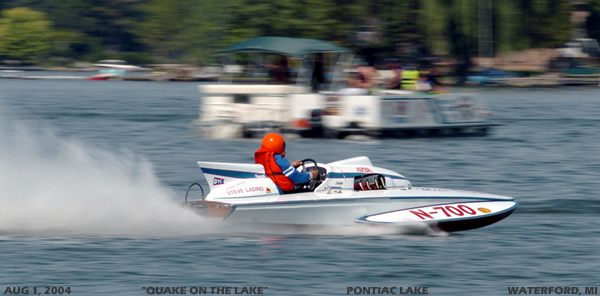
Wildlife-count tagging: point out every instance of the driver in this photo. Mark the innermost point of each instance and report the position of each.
(271, 155)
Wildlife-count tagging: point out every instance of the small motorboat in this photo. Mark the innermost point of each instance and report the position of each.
(347, 192)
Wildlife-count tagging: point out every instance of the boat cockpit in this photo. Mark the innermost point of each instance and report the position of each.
(369, 181)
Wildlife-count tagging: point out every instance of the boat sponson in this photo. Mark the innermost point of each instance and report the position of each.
(468, 224)
(210, 208)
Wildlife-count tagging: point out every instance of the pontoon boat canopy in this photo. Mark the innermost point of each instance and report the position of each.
(285, 46)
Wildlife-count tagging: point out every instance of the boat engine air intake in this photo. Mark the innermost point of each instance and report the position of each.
(369, 182)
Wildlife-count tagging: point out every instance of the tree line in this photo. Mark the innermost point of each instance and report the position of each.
(191, 31)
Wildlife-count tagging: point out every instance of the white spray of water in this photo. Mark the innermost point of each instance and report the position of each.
(59, 186)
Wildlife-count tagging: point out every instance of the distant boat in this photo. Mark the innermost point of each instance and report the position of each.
(110, 69)
(11, 74)
(103, 75)
(118, 64)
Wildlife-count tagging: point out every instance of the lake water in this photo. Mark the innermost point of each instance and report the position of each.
(91, 173)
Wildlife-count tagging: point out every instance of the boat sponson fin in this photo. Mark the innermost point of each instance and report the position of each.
(358, 161)
(228, 166)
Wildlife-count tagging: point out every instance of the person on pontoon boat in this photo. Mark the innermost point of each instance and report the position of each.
(271, 155)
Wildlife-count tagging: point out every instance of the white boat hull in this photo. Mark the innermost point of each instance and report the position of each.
(352, 192)
(448, 213)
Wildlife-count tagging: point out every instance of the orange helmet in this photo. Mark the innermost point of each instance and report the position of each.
(274, 142)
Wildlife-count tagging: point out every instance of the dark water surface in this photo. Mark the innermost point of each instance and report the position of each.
(91, 173)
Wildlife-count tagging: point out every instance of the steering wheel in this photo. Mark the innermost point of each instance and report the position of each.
(312, 184)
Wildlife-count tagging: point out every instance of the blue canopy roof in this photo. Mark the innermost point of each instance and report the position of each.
(285, 46)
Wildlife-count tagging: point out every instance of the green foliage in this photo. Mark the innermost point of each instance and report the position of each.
(434, 21)
(208, 28)
(25, 34)
(545, 23)
(192, 31)
(317, 19)
(184, 30)
(508, 32)
(593, 22)
(110, 21)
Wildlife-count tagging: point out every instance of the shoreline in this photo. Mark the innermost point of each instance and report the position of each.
(543, 80)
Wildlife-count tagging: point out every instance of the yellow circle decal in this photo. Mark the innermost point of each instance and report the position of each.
(484, 210)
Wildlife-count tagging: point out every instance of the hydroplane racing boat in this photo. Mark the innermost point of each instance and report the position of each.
(347, 192)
